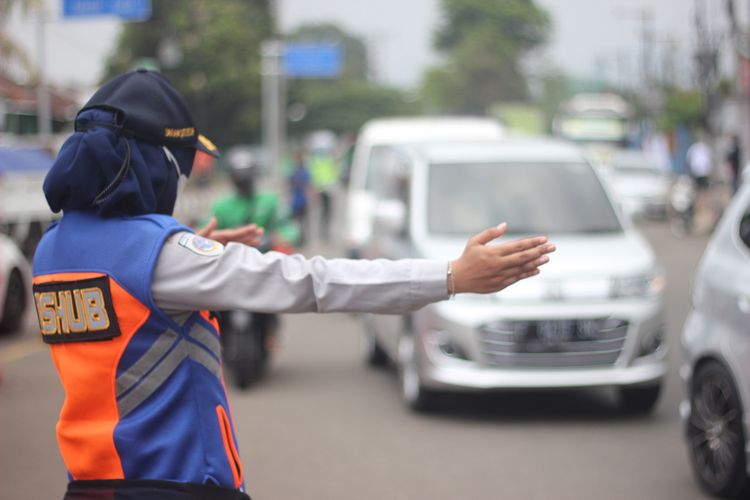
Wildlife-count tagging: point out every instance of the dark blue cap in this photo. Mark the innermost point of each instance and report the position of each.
(149, 108)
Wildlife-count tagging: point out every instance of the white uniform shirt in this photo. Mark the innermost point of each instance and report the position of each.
(195, 273)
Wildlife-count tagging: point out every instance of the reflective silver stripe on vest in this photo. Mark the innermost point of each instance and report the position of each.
(147, 374)
(132, 375)
(208, 343)
(200, 355)
(151, 382)
(208, 339)
(180, 317)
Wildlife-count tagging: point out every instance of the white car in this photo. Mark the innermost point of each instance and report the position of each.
(639, 184)
(593, 317)
(14, 285)
(371, 153)
(715, 364)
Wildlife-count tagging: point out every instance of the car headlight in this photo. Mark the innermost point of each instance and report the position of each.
(645, 285)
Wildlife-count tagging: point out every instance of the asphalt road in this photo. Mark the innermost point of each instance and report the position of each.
(323, 426)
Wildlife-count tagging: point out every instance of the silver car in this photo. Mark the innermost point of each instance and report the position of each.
(15, 283)
(640, 185)
(593, 317)
(716, 358)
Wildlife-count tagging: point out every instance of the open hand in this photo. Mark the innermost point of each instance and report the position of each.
(249, 235)
(484, 268)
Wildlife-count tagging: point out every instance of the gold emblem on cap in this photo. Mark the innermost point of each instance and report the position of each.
(179, 133)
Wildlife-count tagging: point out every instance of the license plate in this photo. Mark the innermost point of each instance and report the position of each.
(551, 335)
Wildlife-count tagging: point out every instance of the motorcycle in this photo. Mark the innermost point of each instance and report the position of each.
(247, 342)
(681, 208)
(249, 339)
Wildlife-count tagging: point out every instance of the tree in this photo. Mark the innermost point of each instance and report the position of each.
(484, 43)
(211, 53)
(346, 105)
(681, 107)
(10, 51)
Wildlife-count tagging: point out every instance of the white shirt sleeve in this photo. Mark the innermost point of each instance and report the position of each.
(195, 273)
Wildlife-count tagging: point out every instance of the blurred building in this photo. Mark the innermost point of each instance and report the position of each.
(18, 110)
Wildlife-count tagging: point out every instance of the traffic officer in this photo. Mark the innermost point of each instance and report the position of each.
(124, 292)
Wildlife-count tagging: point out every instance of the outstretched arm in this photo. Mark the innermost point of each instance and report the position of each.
(240, 277)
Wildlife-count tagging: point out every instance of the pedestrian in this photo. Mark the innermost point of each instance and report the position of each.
(700, 167)
(124, 292)
(733, 158)
(299, 195)
(700, 163)
(325, 177)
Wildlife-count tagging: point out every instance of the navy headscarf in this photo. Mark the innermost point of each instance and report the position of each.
(101, 170)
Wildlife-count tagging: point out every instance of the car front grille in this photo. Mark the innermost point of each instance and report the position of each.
(552, 343)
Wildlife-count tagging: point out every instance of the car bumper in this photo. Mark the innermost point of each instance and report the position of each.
(469, 376)
(641, 359)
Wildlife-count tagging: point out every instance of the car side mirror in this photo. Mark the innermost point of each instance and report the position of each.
(390, 215)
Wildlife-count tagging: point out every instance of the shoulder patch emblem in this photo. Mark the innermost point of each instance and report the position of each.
(76, 311)
(201, 246)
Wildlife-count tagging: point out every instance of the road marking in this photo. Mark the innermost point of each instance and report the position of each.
(20, 350)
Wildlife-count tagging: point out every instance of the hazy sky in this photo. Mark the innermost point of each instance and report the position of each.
(589, 36)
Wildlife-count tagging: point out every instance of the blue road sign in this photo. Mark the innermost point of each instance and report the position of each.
(131, 10)
(312, 60)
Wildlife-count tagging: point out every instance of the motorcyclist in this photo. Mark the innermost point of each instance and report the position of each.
(250, 338)
(248, 205)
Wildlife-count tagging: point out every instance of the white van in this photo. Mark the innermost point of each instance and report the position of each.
(371, 152)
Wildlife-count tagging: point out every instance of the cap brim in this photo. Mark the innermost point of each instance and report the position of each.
(208, 147)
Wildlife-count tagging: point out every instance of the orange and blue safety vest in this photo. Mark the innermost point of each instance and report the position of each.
(144, 393)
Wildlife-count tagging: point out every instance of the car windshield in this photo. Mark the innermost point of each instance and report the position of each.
(534, 198)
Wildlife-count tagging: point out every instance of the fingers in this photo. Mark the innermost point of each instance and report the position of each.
(521, 258)
(522, 270)
(512, 247)
(206, 230)
(503, 281)
(515, 279)
(247, 235)
(249, 229)
(528, 266)
(489, 234)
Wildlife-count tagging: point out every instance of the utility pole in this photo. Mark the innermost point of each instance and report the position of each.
(647, 35)
(669, 56)
(706, 58)
(644, 18)
(273, 97)
(43, 112)
(271, 94)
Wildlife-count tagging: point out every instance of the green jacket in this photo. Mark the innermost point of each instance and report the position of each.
(261, 209)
